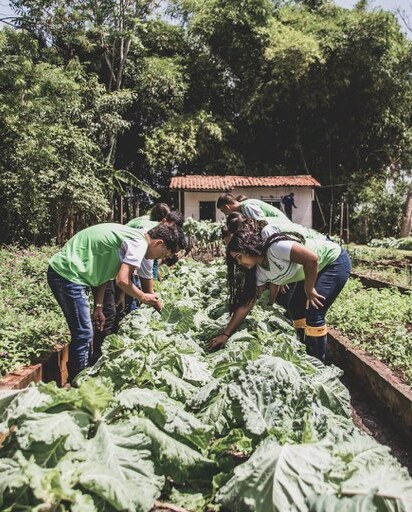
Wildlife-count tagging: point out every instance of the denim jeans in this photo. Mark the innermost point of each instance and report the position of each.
(329, 283)
(73, 300)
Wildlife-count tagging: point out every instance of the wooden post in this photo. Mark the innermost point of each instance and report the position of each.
(347, 221)
(342, 212)
(121, 209)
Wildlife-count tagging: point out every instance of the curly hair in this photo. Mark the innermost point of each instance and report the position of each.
(242, 282)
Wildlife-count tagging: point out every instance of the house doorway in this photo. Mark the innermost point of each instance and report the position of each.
(207, 210)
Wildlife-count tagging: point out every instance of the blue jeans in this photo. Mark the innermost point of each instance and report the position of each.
(329, 283)
(73, 300)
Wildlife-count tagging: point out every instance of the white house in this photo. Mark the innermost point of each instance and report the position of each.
(198, 194)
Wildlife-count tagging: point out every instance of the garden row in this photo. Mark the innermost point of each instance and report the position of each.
(258, 426)
(31, 323)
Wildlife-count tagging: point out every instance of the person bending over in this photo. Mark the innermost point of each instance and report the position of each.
(319, 268)
(93, 257)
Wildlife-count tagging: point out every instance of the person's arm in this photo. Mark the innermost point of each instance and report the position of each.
(274, 290)
(309, 261)
(125, 283)
(98, 316)
(236, 319)
(147, 285)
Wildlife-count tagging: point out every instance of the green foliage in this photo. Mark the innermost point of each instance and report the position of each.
(54, 122)
(404, 244)
(31, 322)
(379, 208)
(112, 443)
(377, 321)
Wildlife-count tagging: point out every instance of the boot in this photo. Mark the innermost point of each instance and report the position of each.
(316, 346)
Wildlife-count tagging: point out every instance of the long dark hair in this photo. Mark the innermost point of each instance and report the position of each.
(242, 282)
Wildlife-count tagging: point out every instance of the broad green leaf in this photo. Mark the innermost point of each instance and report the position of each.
(119, 470)
(50, 436)
(167, 414)
(12, 478)
(174, 458)
(278, 478)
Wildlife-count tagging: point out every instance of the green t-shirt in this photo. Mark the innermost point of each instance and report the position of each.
(287, 226)
(281, 270)
(142, 223)
(93, 256)
(257, 209)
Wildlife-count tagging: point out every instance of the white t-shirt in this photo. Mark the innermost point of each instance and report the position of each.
(132, 252)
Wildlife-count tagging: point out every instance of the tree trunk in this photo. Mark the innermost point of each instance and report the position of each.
(407, 215)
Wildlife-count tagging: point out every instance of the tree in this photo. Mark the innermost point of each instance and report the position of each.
(53, 121)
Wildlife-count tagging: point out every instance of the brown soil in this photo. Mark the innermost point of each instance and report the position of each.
(371, 420)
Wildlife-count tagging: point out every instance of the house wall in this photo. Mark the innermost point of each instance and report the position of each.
(303, 200)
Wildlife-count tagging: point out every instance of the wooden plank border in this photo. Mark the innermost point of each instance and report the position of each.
(392, 396)
(52, 368)
(369, 282)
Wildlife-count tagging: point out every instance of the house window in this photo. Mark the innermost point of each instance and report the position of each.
(207, 210)
(272, 200)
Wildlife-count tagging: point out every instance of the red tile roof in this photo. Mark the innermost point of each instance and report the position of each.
(222, 183)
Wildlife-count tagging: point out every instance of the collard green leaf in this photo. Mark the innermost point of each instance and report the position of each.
(167, 414)
(278, 478)
(119, 470)
(173, 458)
(12, 479)
(48, 437)
(194, 369)
(330, 390)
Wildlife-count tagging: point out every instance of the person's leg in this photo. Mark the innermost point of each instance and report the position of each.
(283, 299)
(109, 311)
(329, 283)
(73, 300)
(297, 307)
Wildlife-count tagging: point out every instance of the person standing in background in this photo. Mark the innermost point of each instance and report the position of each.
(289, 203)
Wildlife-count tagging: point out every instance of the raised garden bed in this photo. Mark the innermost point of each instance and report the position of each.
(53, 367)
(375, 379)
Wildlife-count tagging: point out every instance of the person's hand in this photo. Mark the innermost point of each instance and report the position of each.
(151, 299)
(314, 299)
(283, 288)
(217, 342)
(99, 319)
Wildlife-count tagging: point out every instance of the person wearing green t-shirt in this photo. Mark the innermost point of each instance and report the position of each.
(319, 267)
(93, 257)
(251, 208)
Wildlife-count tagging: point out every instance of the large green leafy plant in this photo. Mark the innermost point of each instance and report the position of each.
(258, 426)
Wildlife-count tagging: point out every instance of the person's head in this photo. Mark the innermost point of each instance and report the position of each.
(246, 248)
(236, 221)
(174, 217)
(245, 251)
(292, 194)
(227, 203)
(164, 241)
(159, 211)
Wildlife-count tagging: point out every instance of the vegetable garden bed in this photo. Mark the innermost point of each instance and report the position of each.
(159, 418)
(375, 379)
(378, 321)
(387, 265)
(31, 322)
